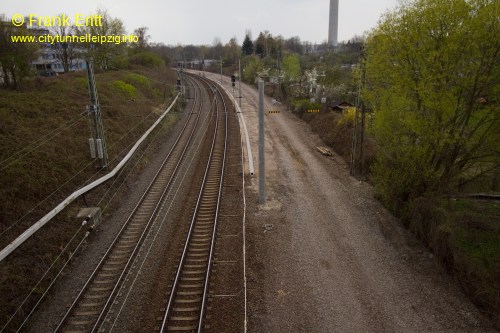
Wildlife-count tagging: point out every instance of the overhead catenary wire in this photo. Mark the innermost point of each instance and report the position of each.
(40, 223)
(139, 159)
(53, 281)
(128, 174)
(37, 144)
(46, 198)
(76, 175)
(166, 214)
(42, 278)
(71, 241)
(132, 168)
(62, 128)
(149, 79)
(121, 171)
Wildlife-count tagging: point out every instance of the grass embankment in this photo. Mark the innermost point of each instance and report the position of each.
(44, 156)
(464, 234)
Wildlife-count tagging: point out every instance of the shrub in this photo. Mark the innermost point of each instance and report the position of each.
(147, 59)
(125, 88)
(301, 106)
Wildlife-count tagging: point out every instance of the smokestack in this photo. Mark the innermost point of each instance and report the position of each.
(334, 23)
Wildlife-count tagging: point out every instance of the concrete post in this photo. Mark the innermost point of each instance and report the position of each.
(239, 77)
(262, 166)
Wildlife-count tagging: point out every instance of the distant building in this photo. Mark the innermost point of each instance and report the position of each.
(48, 63)
(340, 106)
(196, 63)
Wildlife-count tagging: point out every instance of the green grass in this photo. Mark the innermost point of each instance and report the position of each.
(476, 233)
(472, 229)
(126, 89)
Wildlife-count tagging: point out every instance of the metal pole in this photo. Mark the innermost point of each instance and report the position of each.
(355, 129)
(262, 166)
(279, 73)
(102, 160)
(239, 76)
(362, 140)
(220, 70)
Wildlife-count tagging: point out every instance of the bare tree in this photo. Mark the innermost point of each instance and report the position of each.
(142, 34)
(103, 53)
(15, 58)
(232, 50)
(66, 51)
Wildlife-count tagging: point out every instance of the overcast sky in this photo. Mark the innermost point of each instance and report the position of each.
(200, 22)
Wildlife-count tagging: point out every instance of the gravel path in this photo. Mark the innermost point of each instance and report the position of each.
(334, 260)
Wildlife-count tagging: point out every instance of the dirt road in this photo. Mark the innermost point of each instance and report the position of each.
(325, 256)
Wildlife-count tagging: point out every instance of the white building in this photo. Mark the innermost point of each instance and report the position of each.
(48, 63)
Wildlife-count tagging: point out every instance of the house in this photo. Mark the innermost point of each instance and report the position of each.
(48, 63)
(340, 106)
(196, 63)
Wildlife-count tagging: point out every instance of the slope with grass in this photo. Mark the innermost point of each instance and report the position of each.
(44, 157)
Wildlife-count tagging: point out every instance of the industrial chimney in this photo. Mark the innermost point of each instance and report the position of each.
(333, 30)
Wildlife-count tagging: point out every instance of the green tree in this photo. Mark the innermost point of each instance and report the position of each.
(103, 53)
(432, 78)
(15, 58)
(232, 51)
(262, 44)
(247, 47)
(251, 69)
(291, 67)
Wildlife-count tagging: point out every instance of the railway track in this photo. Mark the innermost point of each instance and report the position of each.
(187, 299)
(91, 304)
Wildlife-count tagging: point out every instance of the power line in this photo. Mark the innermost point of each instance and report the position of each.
(152, 80)
(75, 175)
(52, 134)
(41, 280)
(129, 173)
(46, 198)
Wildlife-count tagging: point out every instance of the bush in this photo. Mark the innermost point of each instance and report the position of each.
(120, 62)
(147, 59)
(125, 88)
(301, 106)
(347, 117)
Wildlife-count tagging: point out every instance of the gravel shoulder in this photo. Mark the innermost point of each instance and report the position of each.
(332, 259)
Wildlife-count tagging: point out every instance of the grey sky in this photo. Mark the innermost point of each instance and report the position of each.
(199, 22)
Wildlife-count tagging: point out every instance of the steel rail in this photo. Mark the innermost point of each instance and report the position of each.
(212, 245)
(125, 225)
(195, 216)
